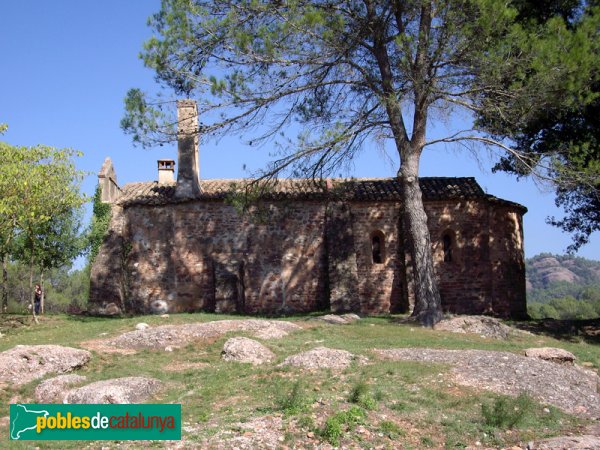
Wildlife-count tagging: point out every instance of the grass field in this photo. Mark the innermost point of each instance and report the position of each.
(386, 404)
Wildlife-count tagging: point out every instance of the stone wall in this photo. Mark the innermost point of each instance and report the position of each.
(342, 268)
(382, 285)
(464, 279)
(507, 262)
(204, 256)
(107, 283)
(300, 256)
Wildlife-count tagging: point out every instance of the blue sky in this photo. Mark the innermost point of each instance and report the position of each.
(66, 66)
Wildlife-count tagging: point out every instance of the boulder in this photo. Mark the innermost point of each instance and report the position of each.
(159, 337)
(351, 317)
(271, 332)
(567, 443)
(25, 363)
(323, 358)
(484, 326)
(117, 390)
(142, 326)
(335, 319)
(552, 354)
(332, 319)
(244, 350)
(54, 390)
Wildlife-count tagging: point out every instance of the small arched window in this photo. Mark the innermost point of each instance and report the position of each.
(378, 247)
(447, 247)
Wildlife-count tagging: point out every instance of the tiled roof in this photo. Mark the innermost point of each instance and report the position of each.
(152, 193)
(433, 188)
(361, 189)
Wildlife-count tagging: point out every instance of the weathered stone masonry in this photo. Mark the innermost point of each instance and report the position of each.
(332, 245)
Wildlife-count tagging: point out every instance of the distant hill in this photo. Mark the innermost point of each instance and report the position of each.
(545, 269)
(563, 287)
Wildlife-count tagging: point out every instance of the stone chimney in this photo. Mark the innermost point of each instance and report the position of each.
(188, 182)
(166, 171)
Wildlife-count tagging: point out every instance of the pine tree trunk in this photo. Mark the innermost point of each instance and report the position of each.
(428, 305)
(4, 283)
(428, 309)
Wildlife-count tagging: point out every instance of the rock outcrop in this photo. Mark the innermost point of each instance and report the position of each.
(342, 319)
(25, 363)
(323, 358)
(485, 326)
(54, 390)
(550, 270)
(244, 350)
(585, 442)
(569, 388)
(118, 390)
(555, 355)
(178, 335)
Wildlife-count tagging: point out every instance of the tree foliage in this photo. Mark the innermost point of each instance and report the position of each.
(55, 242)
(552, 117)
(66, 289)
(346, 74)
(40, 205)
(36, 184)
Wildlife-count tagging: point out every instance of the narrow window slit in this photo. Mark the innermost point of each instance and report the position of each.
(378, 247)
(447, 247)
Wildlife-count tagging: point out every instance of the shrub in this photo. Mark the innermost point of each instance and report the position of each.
(332, 432)
(361, 395)
(506, 412)
(295, 401)
(390, 429)
(306, 422)
(343, 421)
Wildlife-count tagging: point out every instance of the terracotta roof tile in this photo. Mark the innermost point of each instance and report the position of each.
(361, 189)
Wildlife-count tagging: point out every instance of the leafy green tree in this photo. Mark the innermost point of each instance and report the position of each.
(552, 116)
(590, 294)
(348, 73)
(52, 244)
(66, 289)
(39, 188)
(567, 307)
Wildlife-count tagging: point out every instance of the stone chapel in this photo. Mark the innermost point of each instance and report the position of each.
(332, 245)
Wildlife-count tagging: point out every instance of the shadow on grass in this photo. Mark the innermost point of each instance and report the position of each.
(564, 330)
(11, 321)
(84, 318)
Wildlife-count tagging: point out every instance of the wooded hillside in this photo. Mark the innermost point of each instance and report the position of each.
(563, 287)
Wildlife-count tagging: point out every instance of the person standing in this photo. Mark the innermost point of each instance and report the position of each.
(37, 299)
